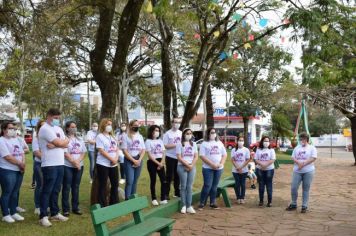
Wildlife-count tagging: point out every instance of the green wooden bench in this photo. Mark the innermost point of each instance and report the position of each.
(222, 189)
(142, 225)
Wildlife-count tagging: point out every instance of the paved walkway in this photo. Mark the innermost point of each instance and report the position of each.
(332, 206)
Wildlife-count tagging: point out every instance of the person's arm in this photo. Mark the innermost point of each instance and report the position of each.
(38, 154)
(166, 140)
(224, 156)
(90, 138)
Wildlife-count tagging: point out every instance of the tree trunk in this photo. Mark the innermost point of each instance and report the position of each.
(353, 135)
(245, 120)
(209, 109)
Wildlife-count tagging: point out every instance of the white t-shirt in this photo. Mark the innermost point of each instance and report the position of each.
(109, 145)
(187, 152)
(91, 135)
(301, 153)
(23, 143)
(133, 146)
(35, 147)
(54, 156)
(264, 155)
(172, 137)
(155, 147)
(119, 138)
(213, 151)
(13, 147)
(239, 156)
(76, 148)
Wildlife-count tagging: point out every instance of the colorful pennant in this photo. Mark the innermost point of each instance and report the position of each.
(263, 22)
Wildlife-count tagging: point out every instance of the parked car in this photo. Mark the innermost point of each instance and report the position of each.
(231, 141)
(28, 138)
(273, 144)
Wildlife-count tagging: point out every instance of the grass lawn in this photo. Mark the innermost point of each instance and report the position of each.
(80, 225)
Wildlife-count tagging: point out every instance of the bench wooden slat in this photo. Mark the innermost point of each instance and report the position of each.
(108, 213)
(147, 227)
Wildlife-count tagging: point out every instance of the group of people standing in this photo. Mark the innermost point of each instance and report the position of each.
(172, 156)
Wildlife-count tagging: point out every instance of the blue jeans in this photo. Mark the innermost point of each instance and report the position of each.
(71, 182)
(10, 182)
(39, 181)
(307, 179)
(91, 161)
(186, 184)
(132, 174)
(211, 180)
(240, 185)
(265, 178)
(52, 183)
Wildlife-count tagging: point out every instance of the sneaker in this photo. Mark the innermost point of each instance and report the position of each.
(176, 196)
(8, 219)
(20, 210)
(304, 210)
(163, 202)
(269, 204)
(59, 217)
(291, 208)
(45, 222)
(183, 210)
(78, 212)
(191, 210)
(37, 211)
(66, 213)
(253, 186)
(242, 201)
(155, 203)
(260, 204)
(17, 217)
(201, 207)
(122, 181)
(214, 206)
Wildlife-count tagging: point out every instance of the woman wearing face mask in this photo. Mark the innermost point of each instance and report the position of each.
(240, 157)
(12, 167)
(106, 162)
(303, 156)
(264, 158)
(91, 135)
(133, 147)
(213, 155)
(119, 138)
(187, 155)
(73, 169)
(155, 163)
(37, 167)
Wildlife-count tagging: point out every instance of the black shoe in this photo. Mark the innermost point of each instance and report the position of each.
(168, 198)
(200, 207)
(260, 204)
(66, 214)
(269, 204)
(214, 206)
(291, 208)
(78, 212)
(304, 210)
(253, 186)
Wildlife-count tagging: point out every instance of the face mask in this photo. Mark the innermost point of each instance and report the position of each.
(240, 144)
(156, 134)
(72, 130)
(108, 128)
(123, 128)
(56, 122)
(212, 136)
(134, 129)
(11, 133)
(265, 144)
(176, 125)
(95, 128)
(188, 137)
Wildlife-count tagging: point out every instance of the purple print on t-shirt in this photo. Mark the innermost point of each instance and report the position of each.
(214, 150)
(264, 157)
(157, 149)
(16, 151)
(75, 149)
(58, 135)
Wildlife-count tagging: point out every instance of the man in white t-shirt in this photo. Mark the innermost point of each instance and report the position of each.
(170, 139)
(91, 136)
(52, 143)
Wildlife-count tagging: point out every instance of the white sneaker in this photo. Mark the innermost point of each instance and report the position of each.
(37, 211)
(155, 203)
(91, 181)
(122, 181)
(184, 210)
(191, 210)
(20, 210)
(17, 217)
(59, 217)
(163, 202)
(8, 219)
(45, 222)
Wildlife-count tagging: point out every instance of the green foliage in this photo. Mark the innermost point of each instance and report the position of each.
(281, 126)
(81, 116)
(323, 123)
